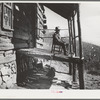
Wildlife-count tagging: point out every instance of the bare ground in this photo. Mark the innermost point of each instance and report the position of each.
(61, 80)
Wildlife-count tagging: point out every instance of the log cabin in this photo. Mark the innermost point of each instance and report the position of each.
(22, 27)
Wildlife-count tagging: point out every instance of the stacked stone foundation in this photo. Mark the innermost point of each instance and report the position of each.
(7, 75)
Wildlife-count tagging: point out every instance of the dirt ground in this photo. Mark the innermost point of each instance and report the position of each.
(58, 78)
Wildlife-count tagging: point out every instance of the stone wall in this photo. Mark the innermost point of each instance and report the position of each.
(8, 75)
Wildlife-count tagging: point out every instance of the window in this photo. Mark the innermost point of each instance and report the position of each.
(7, 22)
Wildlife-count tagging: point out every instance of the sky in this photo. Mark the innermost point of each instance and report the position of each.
(90, 21)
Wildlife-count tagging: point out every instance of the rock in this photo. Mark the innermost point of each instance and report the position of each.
(3, 86)
(9, 72)
(4, 70)
(1, 66)
(0, 80)
(14, 78)
(58, 82)
(9, 83)
(6, 78)
(13, 69)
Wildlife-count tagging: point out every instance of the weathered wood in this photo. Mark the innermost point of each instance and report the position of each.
(6, 46)
(81, 76)
(74, 72)
(39, 13)
(1, 52)
(21, 34)
(74, 36)
(79, 33)
(21, 27)
(80, 66)
(7, 59)
(70, 68)
(5, 40)
(10, 52)
(40, 8)
(20, 45)
(17, 40)
(40, 18)
(6, 33)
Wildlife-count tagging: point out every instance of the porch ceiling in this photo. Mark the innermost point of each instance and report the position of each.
(63, 9)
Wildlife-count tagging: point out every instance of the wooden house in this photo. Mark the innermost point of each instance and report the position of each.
(22, 26)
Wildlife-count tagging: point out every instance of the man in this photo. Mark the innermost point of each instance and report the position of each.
(57, 39)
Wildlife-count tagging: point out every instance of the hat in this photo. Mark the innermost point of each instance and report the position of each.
(57, 29)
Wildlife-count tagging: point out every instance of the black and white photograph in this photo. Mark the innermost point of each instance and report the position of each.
(50, 45)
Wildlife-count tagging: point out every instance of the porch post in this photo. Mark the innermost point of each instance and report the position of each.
(70, 65)
(80, 65)
(74, 49)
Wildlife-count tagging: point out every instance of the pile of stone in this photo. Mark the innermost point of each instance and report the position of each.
(8, 75)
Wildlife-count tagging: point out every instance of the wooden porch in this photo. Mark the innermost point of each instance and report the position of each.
(63, 66)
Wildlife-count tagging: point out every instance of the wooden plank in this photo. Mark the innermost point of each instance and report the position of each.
(40, 8)
(21, 27)
(10, 52)
(40, 14)
(81, 76)
(5, 40)
(21, 34)
(6, 33)
(40, 18)
(16, 40)
(6, 46)
(7, 59)
(1, 52)
(21, 45)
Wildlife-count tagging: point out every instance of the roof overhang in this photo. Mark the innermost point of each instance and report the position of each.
(66, 10)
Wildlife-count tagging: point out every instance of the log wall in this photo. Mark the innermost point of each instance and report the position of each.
(7, 54)
(24, 25)
(40, 25)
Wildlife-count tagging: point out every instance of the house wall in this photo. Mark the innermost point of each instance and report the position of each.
(24, 25)
(41, 26)
(7, 52)
(18, 30)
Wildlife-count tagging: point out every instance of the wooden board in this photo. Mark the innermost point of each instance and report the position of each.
(6, 46)
(39, 7)
(10, 52)
(21, 45)
(7, 59)
(5, 33)
(16, 40)
(5, 40)
(21, 34)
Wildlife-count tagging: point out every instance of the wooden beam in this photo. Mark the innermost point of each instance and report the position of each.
(74, 36)
(70, 65)
(20, 34)
(6, 46)
(5, 40)
(6, 33)
(79, 32)
(80, 66)
(21, 45)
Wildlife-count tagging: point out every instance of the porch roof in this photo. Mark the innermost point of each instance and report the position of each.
(66, 10)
